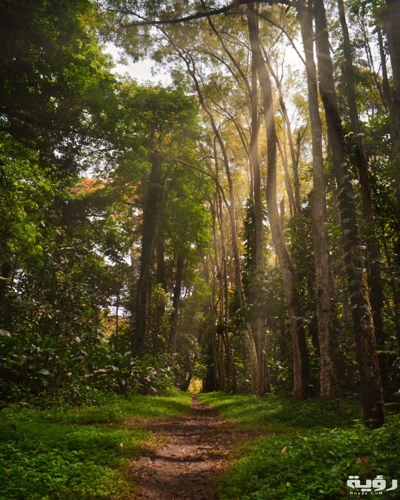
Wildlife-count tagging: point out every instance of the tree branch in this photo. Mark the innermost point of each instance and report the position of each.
(202, 14)
(208, 174)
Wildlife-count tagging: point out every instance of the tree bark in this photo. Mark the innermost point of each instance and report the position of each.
(151, 215)
(373, 250)
(224, 302)
(391, 20)
(371, 386)
(326, 331)
(257, 315)
(250, 344)
(300, 355)
(294, 158)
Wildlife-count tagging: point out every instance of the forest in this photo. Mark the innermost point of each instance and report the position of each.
(206, 268)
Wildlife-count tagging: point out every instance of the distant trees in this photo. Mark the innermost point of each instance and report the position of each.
(239, 226)
(230, 34)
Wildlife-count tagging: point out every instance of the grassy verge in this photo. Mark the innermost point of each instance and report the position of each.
(317, 446)
(77, 453)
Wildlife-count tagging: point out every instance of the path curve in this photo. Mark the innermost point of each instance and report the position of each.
(197, 449)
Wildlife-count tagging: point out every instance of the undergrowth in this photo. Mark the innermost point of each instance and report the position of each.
(309, 451)
(79, 453)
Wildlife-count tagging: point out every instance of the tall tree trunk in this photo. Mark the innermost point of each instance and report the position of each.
(326, 331)
(210, 381)
(288, 127)
(257, 315)
(176, 299)
(151, 215)
(300, 355)
(250, 344)
(374, 257)
(391, 19)
(224, 301)
(370, 378)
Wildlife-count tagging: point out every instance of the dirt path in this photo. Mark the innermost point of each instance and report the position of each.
(196, 450)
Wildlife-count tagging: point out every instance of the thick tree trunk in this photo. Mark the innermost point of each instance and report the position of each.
(300, 355)
(370, 378)
(391, 19)
(374, 257)
(326, 331)
(151, 215)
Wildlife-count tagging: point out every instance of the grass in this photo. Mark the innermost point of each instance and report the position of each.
(273, 414)
(311, 449)
(77, 453)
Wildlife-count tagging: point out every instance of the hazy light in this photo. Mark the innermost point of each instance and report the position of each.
(141, 71)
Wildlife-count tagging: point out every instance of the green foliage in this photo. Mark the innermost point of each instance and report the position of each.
(104, 408)
(57, 90)
(56, 454)
(313, 465)
(311, 450)
(72, 373)
(277, 414)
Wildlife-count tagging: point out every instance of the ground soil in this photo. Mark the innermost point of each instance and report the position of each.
(195, 449)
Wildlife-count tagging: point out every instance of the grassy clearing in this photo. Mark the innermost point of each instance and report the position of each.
(77, 453)
(318, 446)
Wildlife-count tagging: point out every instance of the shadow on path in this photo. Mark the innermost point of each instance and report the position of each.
(197, 449)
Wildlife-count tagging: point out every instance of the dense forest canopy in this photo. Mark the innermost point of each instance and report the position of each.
(240, 226)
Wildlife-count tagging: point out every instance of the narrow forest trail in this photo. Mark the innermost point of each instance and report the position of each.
(197, 448)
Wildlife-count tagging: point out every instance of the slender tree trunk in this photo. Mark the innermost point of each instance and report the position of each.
(288, 184)
(287, 126)
(222, 383)
(257, 315)
(160, 270)
(300, 355)
(370, 378)
(5, 274)
(117, 315)
(210, 382)
(151, 215)
(251, 348)
(224, 302)
(385, 95)
(326, 331)
(374, 257)
(176, 299)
